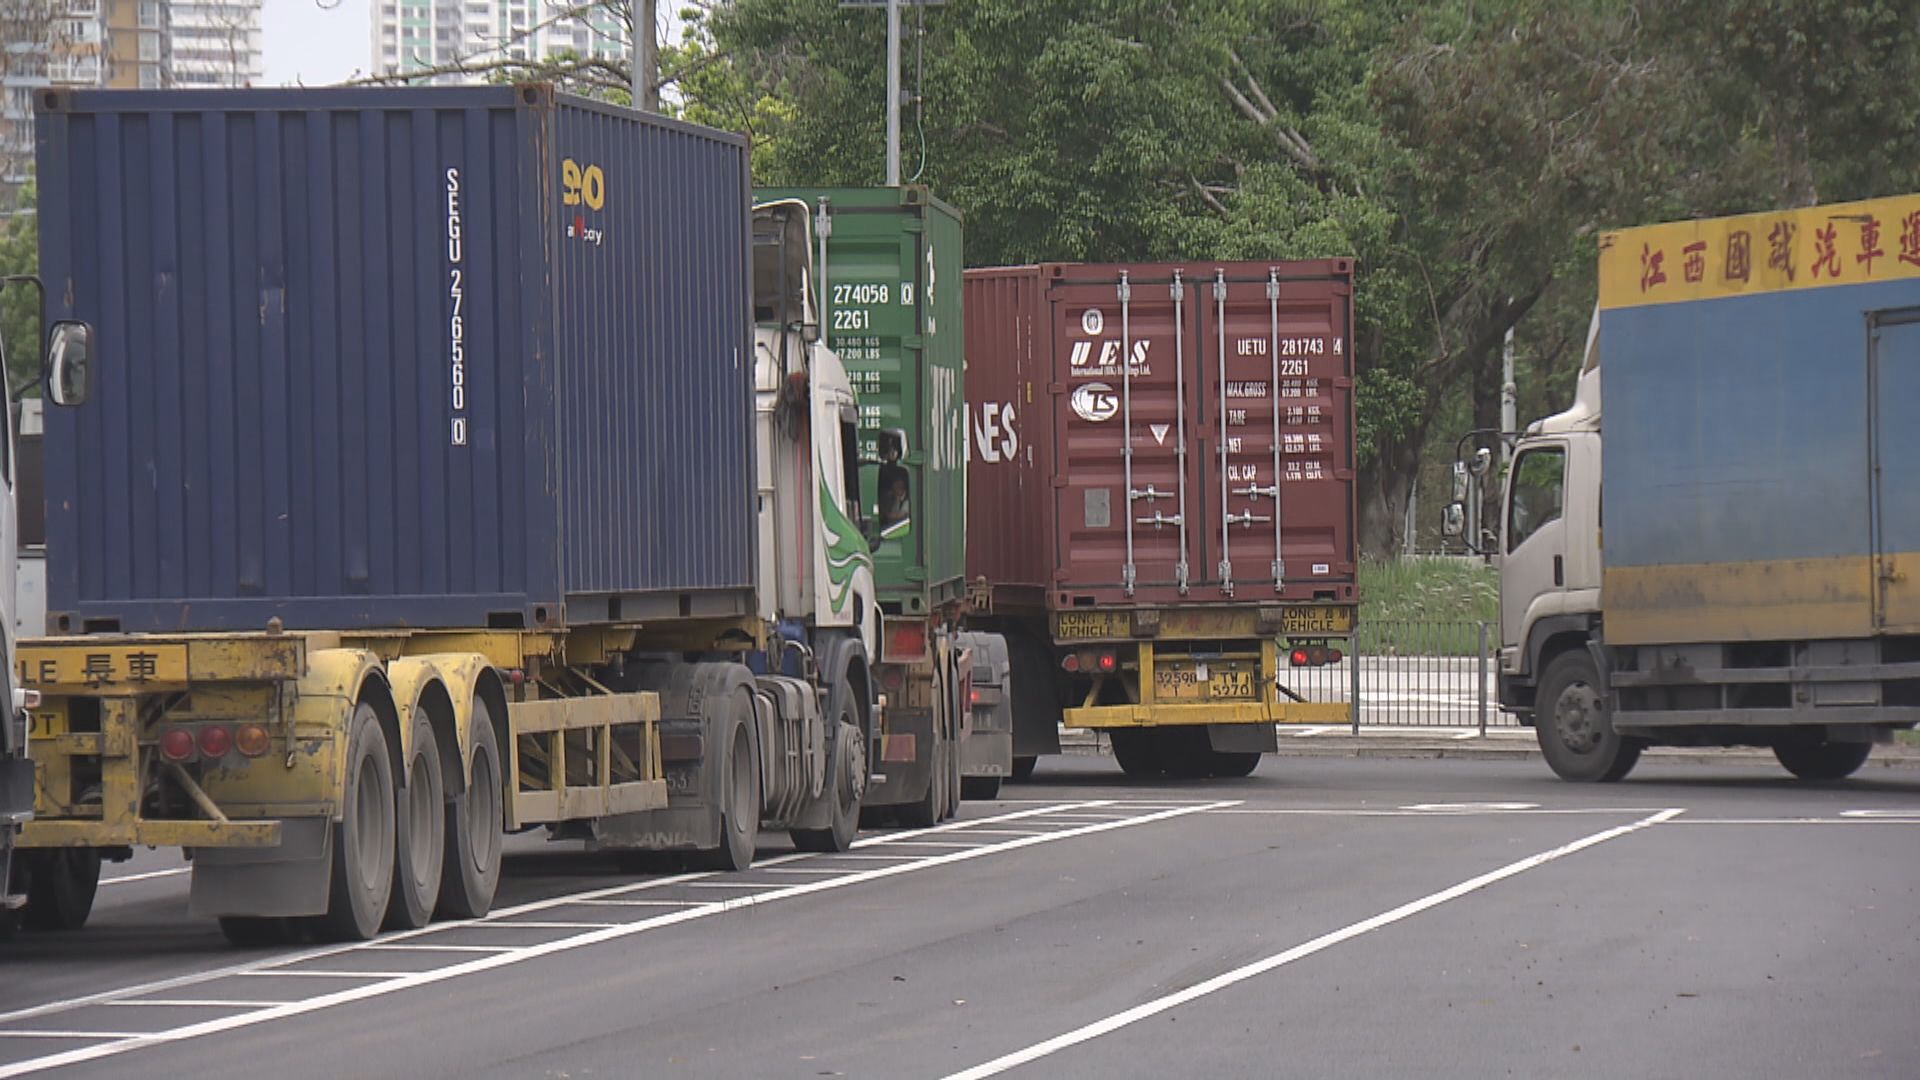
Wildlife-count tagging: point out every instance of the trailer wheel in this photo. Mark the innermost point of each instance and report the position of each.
(1576, 734)
(1818, 759)
(471, 870)
(363, 841)
(255, 932)
(1137, 751)
(61, 883)
(740, 792)
(1185, 753)
(846, 778)
(1023, 768)
(954, 780)
(421, 836)
(980, 788)
(930, 808)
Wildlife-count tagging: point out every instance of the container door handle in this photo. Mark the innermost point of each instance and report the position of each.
(1273, 387)
(1226, 518)
(1128, 572)
(1178, 290)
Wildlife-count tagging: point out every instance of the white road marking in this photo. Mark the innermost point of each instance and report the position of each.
(1330, 811)
(532, 925)
(1802, 821)
(419, 946)
(1304, 733)
(319, 973)
(191, 1003)
(1259, 967)
(1446, 807)
(614, 901)
(1896, 815)
(1465, 735)
(392, 982)
(148, 876)
(21, 1034)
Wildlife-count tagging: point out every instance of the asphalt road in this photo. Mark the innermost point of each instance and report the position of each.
(1326, 917)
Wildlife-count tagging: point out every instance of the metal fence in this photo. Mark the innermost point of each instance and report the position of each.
(1437, 674)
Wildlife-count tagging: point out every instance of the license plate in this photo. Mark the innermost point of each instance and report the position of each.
(79, 667)
(1189, 682)
(1309, 621)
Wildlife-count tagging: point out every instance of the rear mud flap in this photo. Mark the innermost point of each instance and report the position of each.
(289, 879)
(1243, 738)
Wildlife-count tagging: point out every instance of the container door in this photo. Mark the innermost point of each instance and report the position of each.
(1125, 474)
(1274, 451)
(1893, 344)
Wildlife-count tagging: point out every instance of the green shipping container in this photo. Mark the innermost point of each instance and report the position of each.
(893, 316)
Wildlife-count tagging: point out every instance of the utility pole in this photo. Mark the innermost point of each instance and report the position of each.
(646, 60)
(893, 74)
(893, 93)
(1509, 393)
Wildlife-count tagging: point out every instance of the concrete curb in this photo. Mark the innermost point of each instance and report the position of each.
(1502, 746)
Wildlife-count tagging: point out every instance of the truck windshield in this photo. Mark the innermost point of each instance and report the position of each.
(1539, 485)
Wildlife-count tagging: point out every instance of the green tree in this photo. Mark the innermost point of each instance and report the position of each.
(20, 304)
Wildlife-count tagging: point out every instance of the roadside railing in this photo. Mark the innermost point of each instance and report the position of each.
(1426, 673)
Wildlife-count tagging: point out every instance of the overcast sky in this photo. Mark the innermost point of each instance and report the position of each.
(315, 45)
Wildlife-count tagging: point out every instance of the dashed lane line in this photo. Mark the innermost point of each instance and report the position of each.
(391, 983)
(1326, 941)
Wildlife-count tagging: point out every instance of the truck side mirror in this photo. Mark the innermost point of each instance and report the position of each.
(810, 333)
(1482, 462)
(69, 349)
(1459, 483)
(1453, 523)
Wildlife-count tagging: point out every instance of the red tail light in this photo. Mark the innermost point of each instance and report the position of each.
(906, 640)
(215, 741)
(1334, 656)
(976, 697)
(1070, 662)
(1107, 662)
(251, 740)
(176, 744)
(1299, 658)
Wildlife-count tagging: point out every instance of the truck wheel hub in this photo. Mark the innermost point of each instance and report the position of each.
(1577, 717)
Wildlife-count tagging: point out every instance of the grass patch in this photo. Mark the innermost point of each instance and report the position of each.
(1428, 589)
(1427, 607)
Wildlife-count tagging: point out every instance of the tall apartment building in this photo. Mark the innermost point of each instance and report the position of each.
(216, 43)
(124, 44)
(426, 35)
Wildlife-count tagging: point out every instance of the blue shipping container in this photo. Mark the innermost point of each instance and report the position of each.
(448, 357)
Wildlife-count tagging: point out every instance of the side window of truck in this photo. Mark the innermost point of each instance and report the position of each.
(1539, 490)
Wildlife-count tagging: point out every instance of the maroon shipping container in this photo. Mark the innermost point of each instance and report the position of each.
(1152, 480)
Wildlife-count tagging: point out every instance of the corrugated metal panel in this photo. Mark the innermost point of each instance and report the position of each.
(360, 362)
(1165, 397)
(893, 270)
(1010, 470)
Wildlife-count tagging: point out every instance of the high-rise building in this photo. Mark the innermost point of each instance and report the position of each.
(125, 44)
(216, 43)
(442, 35)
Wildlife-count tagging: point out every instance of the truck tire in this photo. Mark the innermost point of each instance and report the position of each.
(1184, 752)
(928, 809)
(954, 779)
(1811, 759)
(1138, 752)
(845, 778)
(739, 794)
(363, 840)
(61, 883)
(1576, 734)
(1023, 769)
(420, 833)
(980, 788)
(470, 873)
